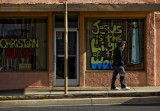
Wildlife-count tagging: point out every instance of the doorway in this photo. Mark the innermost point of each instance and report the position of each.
(73, 57)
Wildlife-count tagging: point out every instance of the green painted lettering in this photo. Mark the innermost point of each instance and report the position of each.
(94, 49)
(20, 44)
(24, 46)
(93, 61)
(8, 42)
(108, 38)
(102, 28)
(119, 30)
(3, 43)
(97, 27)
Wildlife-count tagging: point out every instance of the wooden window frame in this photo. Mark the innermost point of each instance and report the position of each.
(126, 15)
(49, 16)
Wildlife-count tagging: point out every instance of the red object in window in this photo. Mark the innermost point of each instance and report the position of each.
(26, 53)
(11, 52)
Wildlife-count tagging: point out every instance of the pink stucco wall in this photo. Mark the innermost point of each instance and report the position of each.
(19, 80)
(150, 49)
(103, 79)
(78, 1)
(157, 48)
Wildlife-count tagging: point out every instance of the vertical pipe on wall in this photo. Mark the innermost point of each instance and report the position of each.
(66, 51)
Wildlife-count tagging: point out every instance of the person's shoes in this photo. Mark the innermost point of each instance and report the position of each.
(116, 88)
(126, 88)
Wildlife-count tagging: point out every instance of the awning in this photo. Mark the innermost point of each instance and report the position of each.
(78, 7)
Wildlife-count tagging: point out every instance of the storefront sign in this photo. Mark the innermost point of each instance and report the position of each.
(24, 47)
(19, 43)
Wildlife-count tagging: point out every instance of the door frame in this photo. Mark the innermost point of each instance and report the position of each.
(71, 82)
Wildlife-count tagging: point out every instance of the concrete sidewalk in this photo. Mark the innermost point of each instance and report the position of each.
(78, 95)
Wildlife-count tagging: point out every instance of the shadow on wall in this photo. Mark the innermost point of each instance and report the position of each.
(18, 92)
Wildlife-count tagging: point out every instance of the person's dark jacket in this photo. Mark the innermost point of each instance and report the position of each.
(118, 57)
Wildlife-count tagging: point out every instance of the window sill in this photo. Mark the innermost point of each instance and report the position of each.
(24, 71)
(111, 71)
(99, 71)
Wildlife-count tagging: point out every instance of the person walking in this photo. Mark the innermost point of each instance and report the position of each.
(118, 66)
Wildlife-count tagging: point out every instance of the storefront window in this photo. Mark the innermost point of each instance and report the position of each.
(23, 44)
(102, 37)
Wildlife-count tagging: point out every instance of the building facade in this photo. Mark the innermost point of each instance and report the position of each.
(32, 42)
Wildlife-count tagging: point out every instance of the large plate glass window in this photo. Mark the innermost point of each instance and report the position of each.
(23, 44)
(102, 37)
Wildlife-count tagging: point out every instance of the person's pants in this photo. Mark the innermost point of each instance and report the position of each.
(121, 71)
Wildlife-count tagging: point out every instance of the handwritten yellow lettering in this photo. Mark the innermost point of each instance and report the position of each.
(109, 38)
(119, 30)
(119, 38)
(94, 49)
(102, 28)
(3, 43)
(100, 38)
(107, 53)
(97, 27)
(93, 61)
(114, 39)
(97, 37)
(102, 47)
(20, 43)
(105, 41)
(114, 29)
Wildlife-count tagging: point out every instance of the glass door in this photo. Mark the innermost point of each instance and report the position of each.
(72, 58)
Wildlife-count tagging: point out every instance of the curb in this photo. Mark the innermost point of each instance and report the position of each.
(80, 101)
(86, 95)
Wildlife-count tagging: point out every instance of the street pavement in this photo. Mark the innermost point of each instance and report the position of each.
(148, 107)
(79, 96)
